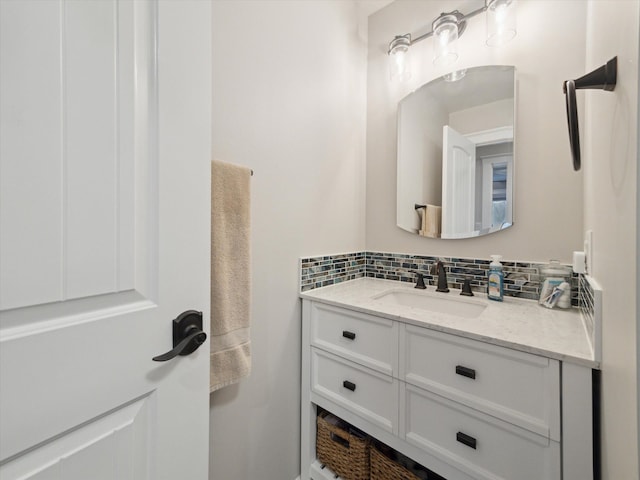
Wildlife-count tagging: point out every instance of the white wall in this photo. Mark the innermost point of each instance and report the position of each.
(490, 115)
(288, 101)
(549, 48)
(420, 182)
(610, 156)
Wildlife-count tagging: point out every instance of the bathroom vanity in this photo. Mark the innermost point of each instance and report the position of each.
(467, 387)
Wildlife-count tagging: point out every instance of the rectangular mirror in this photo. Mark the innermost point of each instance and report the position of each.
(455, 162)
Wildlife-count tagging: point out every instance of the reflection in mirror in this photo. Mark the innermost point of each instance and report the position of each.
(456, 154)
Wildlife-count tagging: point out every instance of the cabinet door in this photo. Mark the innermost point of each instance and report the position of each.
(518, 387)
(478, 444)
(365, 392)
(365, 339)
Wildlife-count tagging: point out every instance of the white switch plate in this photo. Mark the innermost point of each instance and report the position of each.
(588, 250)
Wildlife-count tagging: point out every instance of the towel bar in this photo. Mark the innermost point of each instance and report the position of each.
(603, 78)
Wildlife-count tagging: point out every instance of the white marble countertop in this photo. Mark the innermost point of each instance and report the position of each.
(514, 323)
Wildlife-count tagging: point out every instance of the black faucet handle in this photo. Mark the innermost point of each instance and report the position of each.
(419, 280)
(466, 288)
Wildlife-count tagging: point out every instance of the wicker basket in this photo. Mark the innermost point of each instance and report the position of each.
(383, 468)
(345, 453)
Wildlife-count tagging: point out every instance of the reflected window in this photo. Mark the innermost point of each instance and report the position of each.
(499, 194)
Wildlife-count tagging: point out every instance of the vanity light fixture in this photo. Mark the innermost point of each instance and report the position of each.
(446, 29)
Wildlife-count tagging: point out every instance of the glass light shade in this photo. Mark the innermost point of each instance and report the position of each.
(501, 22)
(445, 36)
(398, 58)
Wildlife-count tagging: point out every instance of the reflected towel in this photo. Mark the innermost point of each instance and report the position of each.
(230, 274)
(431, 221)
(422, 213)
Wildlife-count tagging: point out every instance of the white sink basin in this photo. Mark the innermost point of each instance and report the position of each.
(433, 302)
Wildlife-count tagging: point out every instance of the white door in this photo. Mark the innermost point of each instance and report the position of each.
(104, 228)
(458, 184)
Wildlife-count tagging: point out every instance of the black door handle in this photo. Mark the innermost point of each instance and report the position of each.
(187, 335)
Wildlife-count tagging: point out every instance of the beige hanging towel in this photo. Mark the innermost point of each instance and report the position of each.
(230, 274)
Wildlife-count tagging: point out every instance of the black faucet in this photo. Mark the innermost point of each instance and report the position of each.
(466, 288)
(442, 278)
(419, 281)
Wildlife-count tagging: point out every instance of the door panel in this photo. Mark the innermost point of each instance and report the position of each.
(30, 93)
(81, 209)
(114, 446)
(458, 184)
(104, 220)
(94, 77)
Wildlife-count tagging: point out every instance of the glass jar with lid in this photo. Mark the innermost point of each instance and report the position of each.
(552, 275)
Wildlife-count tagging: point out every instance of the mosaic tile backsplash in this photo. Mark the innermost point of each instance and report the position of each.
(316, 272)
(521, 279)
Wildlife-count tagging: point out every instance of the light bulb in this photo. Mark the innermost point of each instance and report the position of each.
(398, 58)
(445, 30)
(501, 22)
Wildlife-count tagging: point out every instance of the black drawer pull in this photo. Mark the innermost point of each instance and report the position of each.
(349, 385)
(468, 440)
(466, 372)
(349, 335)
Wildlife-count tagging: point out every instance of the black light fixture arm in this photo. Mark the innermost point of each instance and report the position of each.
(603, 78)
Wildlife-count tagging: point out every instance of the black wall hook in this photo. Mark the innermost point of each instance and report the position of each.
(603, 78)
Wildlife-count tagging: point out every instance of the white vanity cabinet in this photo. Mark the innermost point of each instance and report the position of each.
(517, 387)
(461, 407)
(490, 411)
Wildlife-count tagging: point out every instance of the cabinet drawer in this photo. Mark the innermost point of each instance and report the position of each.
(478, 444)
(520, 388)
(368, 340)
(365, 392)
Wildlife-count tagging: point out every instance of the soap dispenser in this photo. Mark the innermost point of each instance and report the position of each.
(495, 284)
